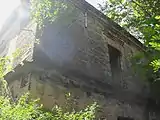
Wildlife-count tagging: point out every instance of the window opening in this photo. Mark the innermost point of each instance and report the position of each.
(114, 56)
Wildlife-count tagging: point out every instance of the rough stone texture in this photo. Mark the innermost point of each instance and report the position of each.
(83, 51)
(73, 56)
(51, 87)
(24, 44)
(11, 27)
(20, 47)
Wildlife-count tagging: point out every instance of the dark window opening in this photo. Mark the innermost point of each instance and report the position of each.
(124, 118)
(114, 56)
(152, 115)
(24, 80)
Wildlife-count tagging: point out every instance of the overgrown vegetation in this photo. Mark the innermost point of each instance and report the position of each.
(25, 108)
(46, 11)
(142, 19)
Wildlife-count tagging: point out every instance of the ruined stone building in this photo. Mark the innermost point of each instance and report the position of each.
(82, 52)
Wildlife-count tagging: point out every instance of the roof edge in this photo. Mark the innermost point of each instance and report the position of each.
(85, 6)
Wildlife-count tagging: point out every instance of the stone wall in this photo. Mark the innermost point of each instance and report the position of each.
(51, 88)
(74, 56)
(23, 44)
(77, 42)
(11, 28)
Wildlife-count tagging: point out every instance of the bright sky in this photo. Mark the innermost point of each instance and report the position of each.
(96, 2)
(6, 8)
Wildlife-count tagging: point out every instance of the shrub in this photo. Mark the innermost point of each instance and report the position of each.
(27, 109)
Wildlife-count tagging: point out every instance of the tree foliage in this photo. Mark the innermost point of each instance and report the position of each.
(25, 108)
(134, 15)
(46, 10)
(142, 19)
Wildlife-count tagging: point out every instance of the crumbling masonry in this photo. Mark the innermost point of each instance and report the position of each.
(85, 53)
